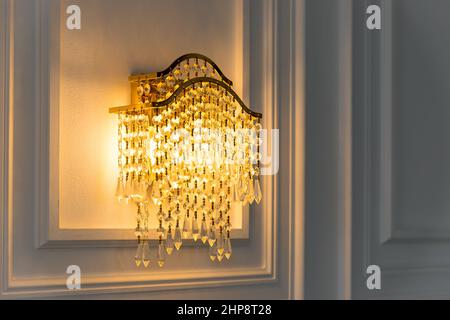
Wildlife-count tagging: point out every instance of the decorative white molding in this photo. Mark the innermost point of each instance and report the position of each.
(6, 114)
(389, 232)
(44, 286)
(48, 231)
(410, 258)
(297, 145)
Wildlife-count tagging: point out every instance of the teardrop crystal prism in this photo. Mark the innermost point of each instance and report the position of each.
(169, 243)
(250, 191)
(213, 253)
(257, 191)
(212, 236)
(146, 255)
(135, 188)
(139, 254)
(204, 232)
(227, 248)
(161, 254)
(220, 245)
(186, 228)
(195, 230)
(143, 190)
(177, 239)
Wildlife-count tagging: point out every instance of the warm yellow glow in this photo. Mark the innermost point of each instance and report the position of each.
(190, 149)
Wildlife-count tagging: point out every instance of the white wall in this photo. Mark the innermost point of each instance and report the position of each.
(43, 83)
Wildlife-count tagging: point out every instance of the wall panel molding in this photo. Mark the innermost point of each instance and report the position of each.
(282, 256)
(49, 234)
(411, 259)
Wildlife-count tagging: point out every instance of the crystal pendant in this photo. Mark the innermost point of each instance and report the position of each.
(213, 253)
(169, 243)
(195, 230)
(128, 187)
(186, 228)
(204, 232)
(149, 191)
(146, 255)
(227, 248)
(212, 236)
(142, 190)
(220, 245)
(250, 191)
(219, 257)
(257, 190)
(236, 197)
(156, 194)
(139, 254)
(161, 254)
(135, 188)
(177, 239)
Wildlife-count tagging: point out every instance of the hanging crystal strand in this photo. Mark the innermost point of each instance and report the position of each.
(139, 253)
(227, 246)
(213, 252)
(195, 230)
(250, 190)
(120, 189)
(204, 230)
(236, 197)
(212, 234)
(169, 241)
(220, 246)
(257, 185)
(146, 253)
(156, 190)
(257, 188)
(149, 191)
(161, 253)
(242, 191)
(186, 226)
(145, 235)
(128, 187)
(139, 235)
(177, 239)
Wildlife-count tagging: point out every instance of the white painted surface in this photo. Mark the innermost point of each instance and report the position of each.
(119, 38)
(265, 266)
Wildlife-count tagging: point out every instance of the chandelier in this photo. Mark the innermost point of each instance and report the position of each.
(188, 148)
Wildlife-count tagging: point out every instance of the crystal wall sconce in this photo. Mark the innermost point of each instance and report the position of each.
(188, 148)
